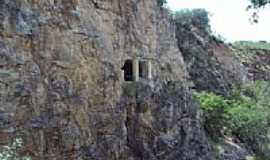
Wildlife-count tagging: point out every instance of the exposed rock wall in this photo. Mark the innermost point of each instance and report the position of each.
(211, 64)
(256, 61)
(213, 67)
(61, 87)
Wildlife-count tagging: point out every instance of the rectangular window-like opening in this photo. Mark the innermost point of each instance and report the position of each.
(128, 70)
(143, 69)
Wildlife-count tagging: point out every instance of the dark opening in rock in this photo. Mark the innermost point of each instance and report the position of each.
(128, 70)
(143, 70)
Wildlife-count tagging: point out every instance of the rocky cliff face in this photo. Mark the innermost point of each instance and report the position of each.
(215, 66)
(256, 61)
(62, 89)
(211, 63)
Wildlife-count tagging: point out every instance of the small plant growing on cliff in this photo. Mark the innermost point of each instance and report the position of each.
(10, 152)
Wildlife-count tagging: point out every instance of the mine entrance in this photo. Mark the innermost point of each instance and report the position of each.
(128, 70)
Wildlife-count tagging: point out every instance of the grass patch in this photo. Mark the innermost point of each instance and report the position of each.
(247, 45)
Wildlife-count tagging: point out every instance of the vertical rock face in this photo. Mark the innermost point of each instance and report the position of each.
(211, 63)
(256, 62)
(61, 85)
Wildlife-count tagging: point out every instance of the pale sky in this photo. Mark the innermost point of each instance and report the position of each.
(229, 18)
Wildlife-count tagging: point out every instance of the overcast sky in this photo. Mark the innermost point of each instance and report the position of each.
(230, 19)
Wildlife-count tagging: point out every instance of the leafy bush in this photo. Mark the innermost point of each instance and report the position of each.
(196, 17)
(214, 107)
(248, 123)
(260, 91)
(249, 114)
(244, 114)
(10, 152)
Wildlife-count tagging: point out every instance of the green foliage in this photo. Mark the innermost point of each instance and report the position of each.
(260, 92)
(248, 123)
(246, 45)
(161, 2)
(196, 17)
(10, 152)
(214, 111)
(244, 114)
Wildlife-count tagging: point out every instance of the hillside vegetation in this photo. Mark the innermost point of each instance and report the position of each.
(234, 110)
(244, 115)
(263, 45)
(255, 56)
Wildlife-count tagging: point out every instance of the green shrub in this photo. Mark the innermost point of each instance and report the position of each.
(260, 92)
(214, 107)
(248, 123)
(10, 152)
(244, 114)
(241, 116)
(196, 17)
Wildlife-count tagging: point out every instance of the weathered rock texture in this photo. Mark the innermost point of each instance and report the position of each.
(228, 150)
(213, 66)
(210, 62)
(256, 61)
(62, 91)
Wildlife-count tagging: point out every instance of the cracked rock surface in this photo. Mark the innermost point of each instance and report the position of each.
(61, 86)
